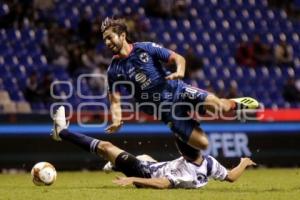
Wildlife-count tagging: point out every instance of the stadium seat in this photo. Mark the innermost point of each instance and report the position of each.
(213, 28)
(8, 108)
(23, 107)
(4, 9)
(4, 96)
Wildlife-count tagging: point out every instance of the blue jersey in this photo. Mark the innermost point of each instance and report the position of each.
(143, 68)
(143, 71)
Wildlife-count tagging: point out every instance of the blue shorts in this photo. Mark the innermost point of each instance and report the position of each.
(187, 99)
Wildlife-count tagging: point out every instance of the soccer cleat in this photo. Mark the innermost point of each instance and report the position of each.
(108, 167)
(246, 103)
(60, 123)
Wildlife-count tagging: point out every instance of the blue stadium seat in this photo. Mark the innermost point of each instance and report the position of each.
(213, 29)
(38, 106)
(17, 96)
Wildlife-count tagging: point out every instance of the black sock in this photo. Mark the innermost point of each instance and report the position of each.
(87, 143)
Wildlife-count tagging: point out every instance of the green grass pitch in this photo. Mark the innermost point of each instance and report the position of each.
(262, 184)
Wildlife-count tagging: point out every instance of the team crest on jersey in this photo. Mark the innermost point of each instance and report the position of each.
(144, 57)
(202, 178)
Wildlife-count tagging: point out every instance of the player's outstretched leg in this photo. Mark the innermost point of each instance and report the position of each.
(225, 105)
(93, 145)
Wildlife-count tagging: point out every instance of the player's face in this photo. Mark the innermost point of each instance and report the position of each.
(113, 41)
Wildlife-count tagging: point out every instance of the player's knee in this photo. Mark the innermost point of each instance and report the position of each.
(198, 139)
(103, 146)
(204, 143)
(200, 143)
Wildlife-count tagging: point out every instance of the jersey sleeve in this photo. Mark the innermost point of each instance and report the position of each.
(218, 171)
(111, 80)
(158, 51)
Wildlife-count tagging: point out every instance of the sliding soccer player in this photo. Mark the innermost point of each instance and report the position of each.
(191, 170)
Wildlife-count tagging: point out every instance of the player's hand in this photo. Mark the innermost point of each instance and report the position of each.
(123, 181)
(248, 162)
(114, 127)
(174, 76)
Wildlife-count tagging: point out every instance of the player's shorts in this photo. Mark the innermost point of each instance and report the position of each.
(131, 166)
(187, 99)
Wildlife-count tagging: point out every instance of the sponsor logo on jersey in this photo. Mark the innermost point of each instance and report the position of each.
(131, 70)
(140, 77)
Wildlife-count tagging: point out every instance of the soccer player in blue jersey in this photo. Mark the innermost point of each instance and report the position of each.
(191, 170)
(141, 65)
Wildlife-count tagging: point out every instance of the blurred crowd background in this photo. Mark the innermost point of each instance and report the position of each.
(232, 47)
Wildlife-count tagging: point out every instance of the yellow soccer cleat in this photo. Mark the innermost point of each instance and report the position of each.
(246, 103)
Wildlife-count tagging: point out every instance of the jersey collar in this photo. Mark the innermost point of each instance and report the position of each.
(198, 165)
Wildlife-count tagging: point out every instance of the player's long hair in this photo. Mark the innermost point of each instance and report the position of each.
(118, 26)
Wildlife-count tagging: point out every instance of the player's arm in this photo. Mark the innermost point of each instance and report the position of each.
(179, 61)
(169, 56)
(236, 172)
(116, 112)
(158, 183)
